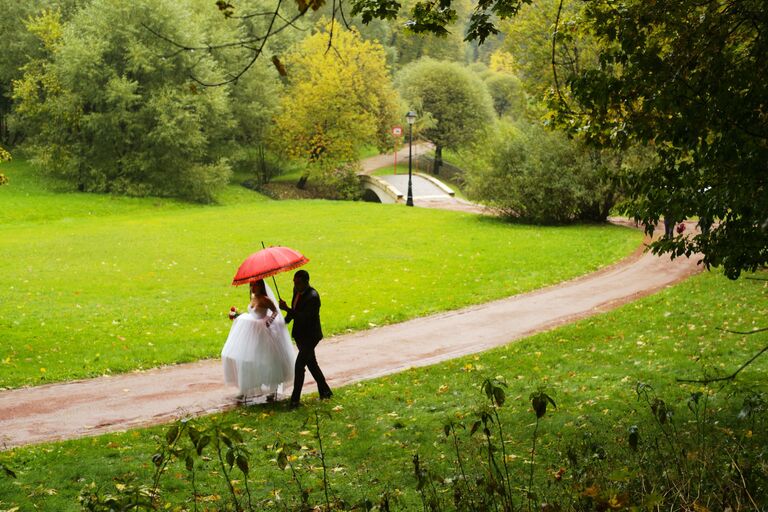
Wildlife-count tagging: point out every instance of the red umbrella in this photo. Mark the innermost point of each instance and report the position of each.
(268, 262)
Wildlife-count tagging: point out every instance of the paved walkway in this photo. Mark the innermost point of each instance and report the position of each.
(108, 404)
(425, 193)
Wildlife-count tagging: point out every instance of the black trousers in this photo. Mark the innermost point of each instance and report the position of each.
(306, 359)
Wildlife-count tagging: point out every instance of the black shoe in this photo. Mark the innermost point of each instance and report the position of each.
(326, 396)
(294, 405)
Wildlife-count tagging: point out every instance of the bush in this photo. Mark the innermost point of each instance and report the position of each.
(540, 176)
(256, 163)
(113, 117)
(340, 182)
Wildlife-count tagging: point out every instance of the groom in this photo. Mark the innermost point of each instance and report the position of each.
(305, 313)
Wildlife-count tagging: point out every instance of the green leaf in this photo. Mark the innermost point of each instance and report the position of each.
(172, 434)
(282, 460)
(242, 464)
(202, 443)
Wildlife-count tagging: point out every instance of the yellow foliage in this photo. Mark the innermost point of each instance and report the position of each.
(47, 27)
(339, 97)
(502, 62)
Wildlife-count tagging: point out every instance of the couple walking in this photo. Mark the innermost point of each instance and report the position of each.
(258, 356)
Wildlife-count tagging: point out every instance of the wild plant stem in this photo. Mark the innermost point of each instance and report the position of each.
(296, 479)
(322, 460)
(194, 489)
(493, 464)
(248, 492)
(504, 456)
(226, 476)
(166, 460)
(533, 455)
(461, 467)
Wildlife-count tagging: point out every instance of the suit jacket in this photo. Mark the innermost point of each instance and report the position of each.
(306, 317)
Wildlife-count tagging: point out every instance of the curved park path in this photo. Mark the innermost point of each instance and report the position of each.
(108, 404)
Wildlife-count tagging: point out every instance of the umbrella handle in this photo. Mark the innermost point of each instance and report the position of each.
(273, 277)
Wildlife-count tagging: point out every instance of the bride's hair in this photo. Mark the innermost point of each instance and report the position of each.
(258, 287)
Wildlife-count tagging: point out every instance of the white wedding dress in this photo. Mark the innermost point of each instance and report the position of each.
(256, 358)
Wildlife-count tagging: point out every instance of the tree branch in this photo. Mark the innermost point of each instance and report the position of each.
(742, 332)
(554, 47)
(734, 374)
(246, 43)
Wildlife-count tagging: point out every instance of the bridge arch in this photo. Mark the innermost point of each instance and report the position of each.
(376, 190)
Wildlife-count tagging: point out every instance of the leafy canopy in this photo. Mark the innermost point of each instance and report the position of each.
(339, 98)
(684, 78)
(454, 99)
(103, 112)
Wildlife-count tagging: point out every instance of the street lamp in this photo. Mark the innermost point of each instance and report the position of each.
(411, 118)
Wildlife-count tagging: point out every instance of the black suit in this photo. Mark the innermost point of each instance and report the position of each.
(305, 314)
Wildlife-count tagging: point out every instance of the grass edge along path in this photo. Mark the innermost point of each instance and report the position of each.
(64, 411)
(138, 286)
(372, 429)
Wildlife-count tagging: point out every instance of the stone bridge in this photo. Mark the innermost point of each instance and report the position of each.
(393, 188)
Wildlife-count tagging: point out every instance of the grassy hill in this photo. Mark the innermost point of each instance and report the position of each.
(95, 284)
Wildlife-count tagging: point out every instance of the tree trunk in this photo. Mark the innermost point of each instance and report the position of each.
(438, 158)
(302, 183)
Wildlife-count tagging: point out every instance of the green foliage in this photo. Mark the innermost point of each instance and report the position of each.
(452, 98)
(509, 99)
(687, 80)
(541, 176)
(17, 47)
(528, 37)
(103, 113)
(338, 100)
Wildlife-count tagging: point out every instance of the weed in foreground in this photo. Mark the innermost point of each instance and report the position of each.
(709, 455)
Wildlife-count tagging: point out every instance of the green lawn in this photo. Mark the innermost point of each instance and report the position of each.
(97, 284)
(371, 430)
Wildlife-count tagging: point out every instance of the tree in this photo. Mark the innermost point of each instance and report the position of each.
(685, 78)
(541, 176)
(509, 98)
(453, 97)
(528, 39)
(339, 98)
(18, 46)
(104, 113)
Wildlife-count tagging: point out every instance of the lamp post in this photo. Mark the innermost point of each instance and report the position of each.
(411, 118)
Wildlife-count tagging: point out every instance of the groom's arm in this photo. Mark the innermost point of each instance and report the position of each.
(288, 311)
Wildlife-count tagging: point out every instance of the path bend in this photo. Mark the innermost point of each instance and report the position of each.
(108, 404)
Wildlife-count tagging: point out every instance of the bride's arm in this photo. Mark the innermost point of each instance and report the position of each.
(266, 302)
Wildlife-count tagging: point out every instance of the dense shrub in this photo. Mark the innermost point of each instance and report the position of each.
(536, 175)
(104, 113)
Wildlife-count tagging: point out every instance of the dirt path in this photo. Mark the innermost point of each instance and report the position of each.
(108, 404)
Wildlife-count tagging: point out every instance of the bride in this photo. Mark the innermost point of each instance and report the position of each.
(258, 356)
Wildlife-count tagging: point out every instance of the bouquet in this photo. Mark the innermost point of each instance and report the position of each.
(233, 313)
